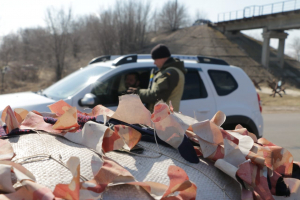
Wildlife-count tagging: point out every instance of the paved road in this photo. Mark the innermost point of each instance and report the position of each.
(283, 130)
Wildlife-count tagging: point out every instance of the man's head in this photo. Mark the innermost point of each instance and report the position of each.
(160, 54)
(132, 80)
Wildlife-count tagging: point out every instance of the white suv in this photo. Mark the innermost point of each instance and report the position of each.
(210, 85)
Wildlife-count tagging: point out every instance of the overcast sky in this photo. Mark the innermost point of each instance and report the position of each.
(15, 14)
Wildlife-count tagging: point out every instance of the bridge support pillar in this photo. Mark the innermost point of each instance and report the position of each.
(265, 57)
(280, 52)
(267, 35)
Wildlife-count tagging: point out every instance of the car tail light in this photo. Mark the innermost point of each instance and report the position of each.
(259, 102)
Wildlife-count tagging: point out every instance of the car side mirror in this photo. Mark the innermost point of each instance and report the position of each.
(88, 100)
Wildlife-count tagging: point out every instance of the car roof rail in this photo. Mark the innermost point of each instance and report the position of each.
(125, 59)
(199, 59)
(185, 57)
(100, 59)
(181, 57)
(131, 58)
(209, 60)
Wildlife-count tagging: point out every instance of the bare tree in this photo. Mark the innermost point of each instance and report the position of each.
(75, 37)
(154, 24)
(59, 25)
(9, 48)
(92, 37)
(131, 23)
(200, 14)
(108, 32)
(120, 30)
(34, 46)
(173, 16)
(296, 47)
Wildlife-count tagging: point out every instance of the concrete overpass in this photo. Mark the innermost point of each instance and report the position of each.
(274, 19)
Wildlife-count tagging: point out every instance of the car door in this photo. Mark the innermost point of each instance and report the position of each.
(197, 99)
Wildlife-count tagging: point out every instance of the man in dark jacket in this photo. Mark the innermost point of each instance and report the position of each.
(168, 83)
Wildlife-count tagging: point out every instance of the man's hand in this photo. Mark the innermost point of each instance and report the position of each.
(132, 90)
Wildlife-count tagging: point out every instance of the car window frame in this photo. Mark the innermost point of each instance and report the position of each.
(197, 70)
(117, 73)
(216, 86)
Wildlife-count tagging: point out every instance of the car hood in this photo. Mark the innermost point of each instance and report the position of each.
(27, 100)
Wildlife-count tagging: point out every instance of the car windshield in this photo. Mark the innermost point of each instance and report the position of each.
(75, 82)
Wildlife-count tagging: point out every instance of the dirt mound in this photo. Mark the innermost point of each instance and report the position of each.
(241, 51)
(206, 41)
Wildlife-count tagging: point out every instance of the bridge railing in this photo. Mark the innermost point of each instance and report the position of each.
(255, 10)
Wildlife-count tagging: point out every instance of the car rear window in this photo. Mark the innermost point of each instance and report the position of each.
(223, 81)
(193, 87)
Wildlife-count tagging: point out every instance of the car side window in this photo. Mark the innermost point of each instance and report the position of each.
(193, 87)
(143, 77)
(223, 81)
(108, 91)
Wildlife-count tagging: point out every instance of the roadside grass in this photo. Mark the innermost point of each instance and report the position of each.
(285, 104)
(285, 100)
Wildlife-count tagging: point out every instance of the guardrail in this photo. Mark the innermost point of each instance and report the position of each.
(255, 10)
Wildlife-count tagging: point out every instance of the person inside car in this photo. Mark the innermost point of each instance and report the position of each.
(168, 83)
(132, 80)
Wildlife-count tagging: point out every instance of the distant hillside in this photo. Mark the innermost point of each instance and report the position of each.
(241, 51)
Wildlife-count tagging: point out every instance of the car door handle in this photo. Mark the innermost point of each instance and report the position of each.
(203, 110)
